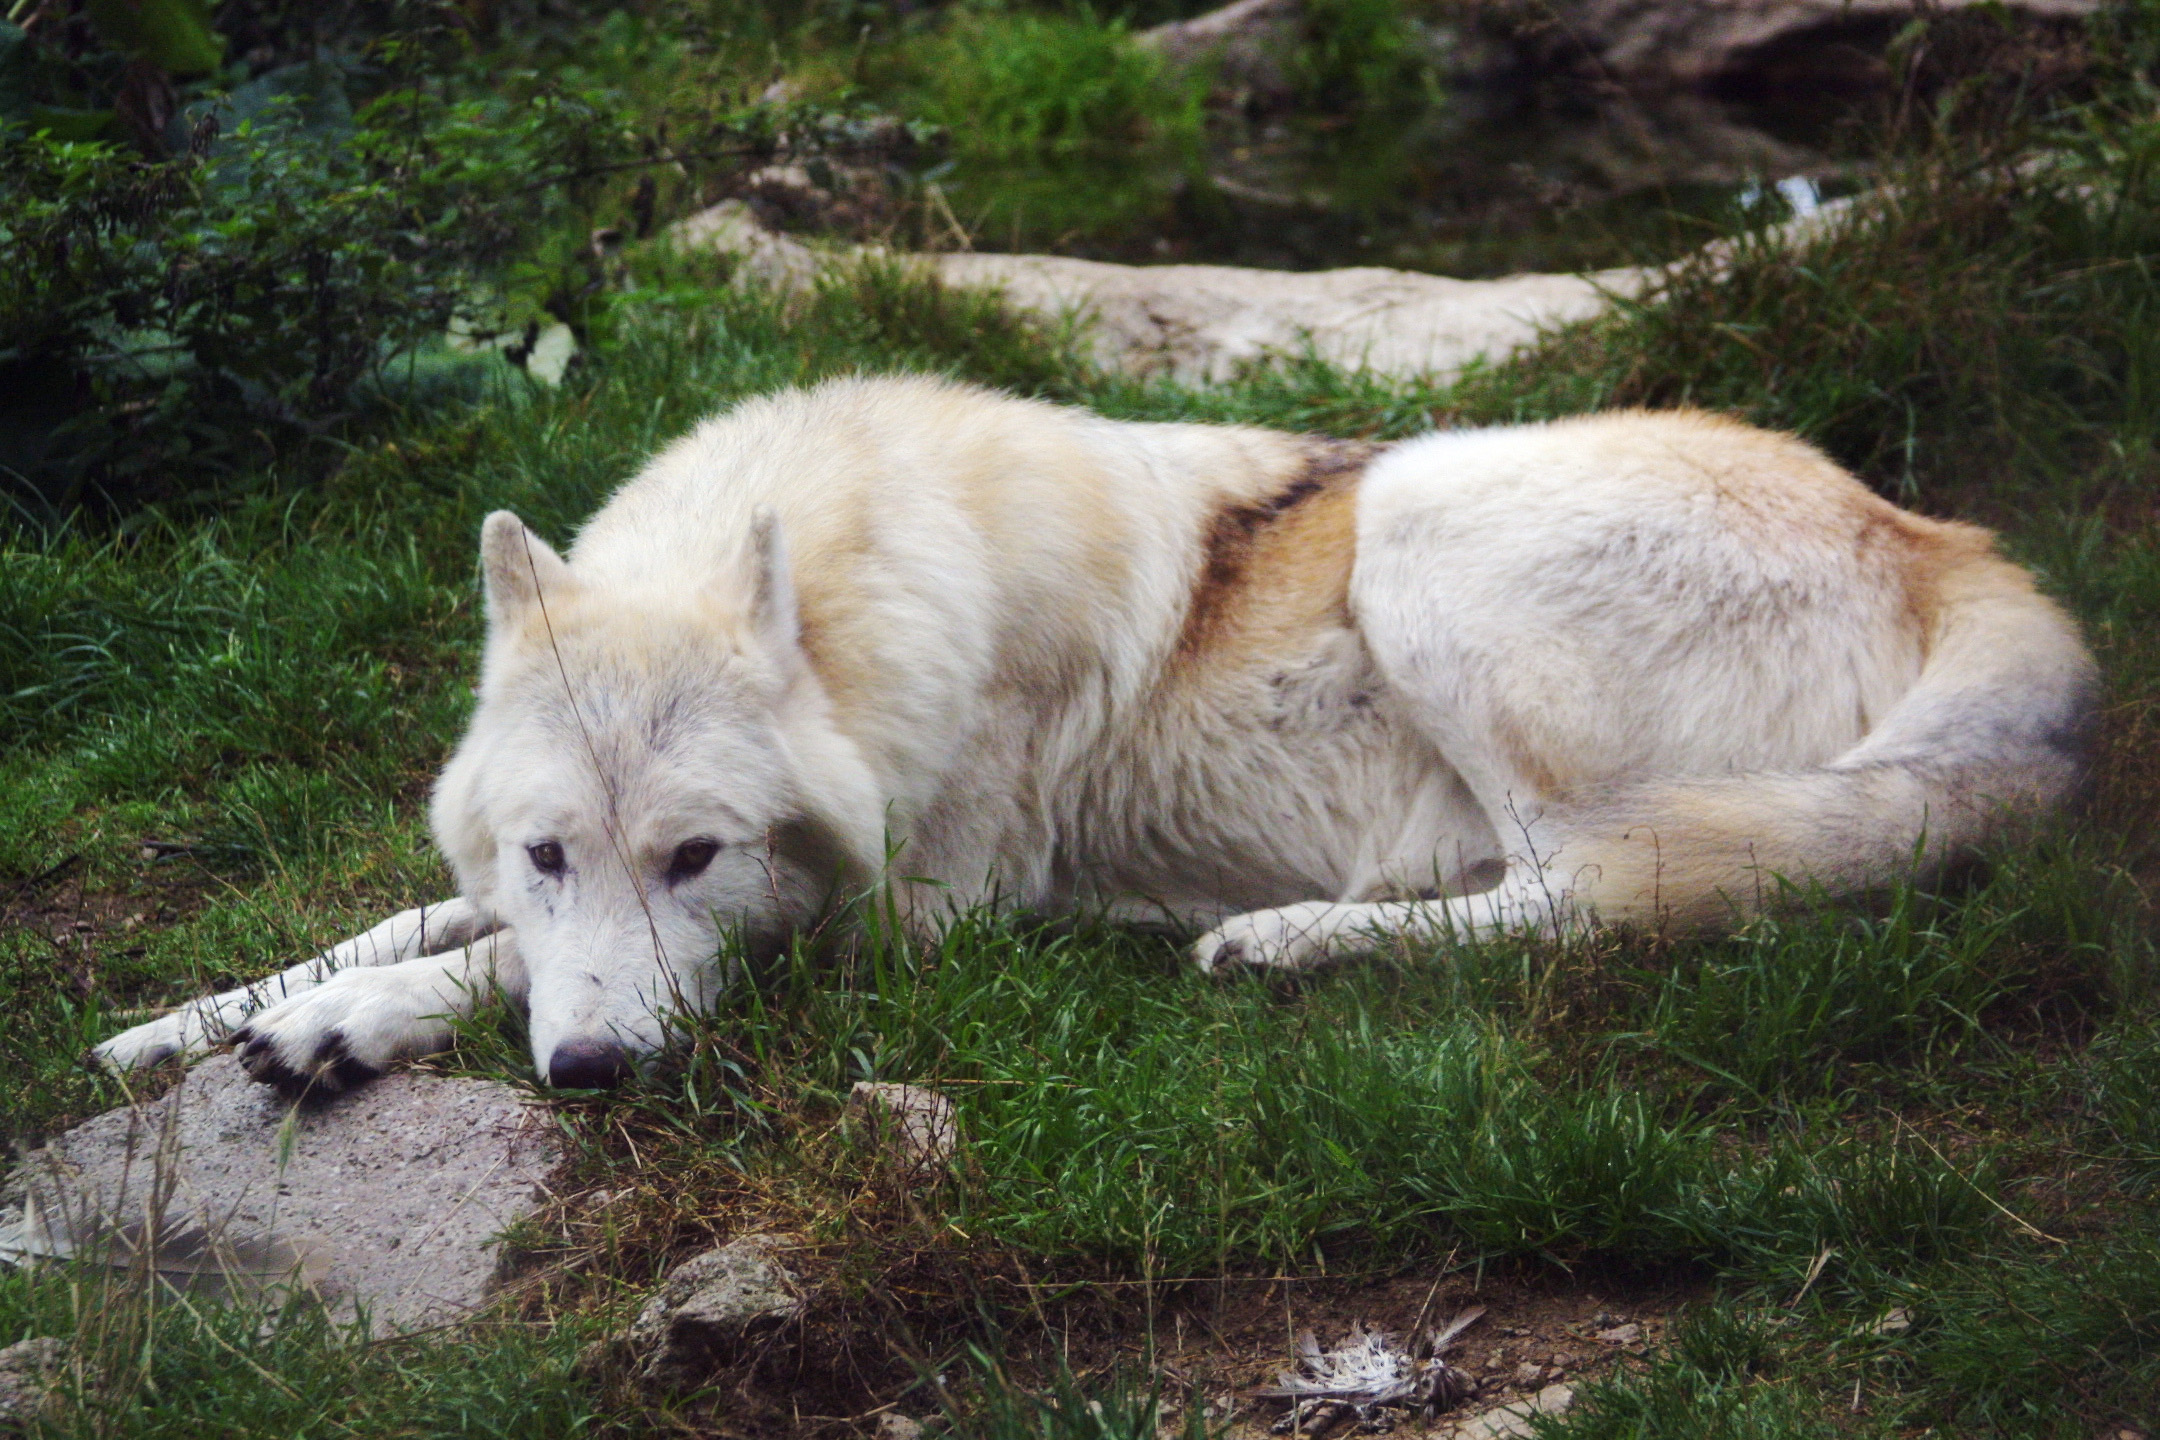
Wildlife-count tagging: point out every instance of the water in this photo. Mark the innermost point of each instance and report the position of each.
(1486, 180)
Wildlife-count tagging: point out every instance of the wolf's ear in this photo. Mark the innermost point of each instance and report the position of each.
(772, 590)
(521, 569)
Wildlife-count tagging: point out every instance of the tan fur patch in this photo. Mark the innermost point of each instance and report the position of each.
(1941, 555)
(1279, 567)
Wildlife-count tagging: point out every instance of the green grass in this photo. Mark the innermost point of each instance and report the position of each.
(1943, 1103)
(175, 1365)
(1059, 125)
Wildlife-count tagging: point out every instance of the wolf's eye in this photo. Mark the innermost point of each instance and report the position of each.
(547, 857)
(690, 859)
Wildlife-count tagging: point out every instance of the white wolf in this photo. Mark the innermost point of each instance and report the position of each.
(1311, 697)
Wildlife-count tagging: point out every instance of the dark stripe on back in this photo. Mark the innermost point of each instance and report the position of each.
(1237, 530)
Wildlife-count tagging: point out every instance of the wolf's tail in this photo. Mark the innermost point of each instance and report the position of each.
(1993, 734)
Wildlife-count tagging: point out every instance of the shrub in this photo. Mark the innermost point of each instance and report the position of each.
(167, 318)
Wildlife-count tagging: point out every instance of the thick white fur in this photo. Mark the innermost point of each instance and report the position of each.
(1635, 667)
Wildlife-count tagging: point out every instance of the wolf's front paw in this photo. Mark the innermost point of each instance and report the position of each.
(184, 1033)
(1292, 938)
(343, 1033)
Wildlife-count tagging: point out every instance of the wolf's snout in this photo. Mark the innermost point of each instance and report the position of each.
(588, 1065)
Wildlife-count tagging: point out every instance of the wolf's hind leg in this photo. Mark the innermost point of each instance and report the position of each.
(354, 1025)
(1308, 936)
(202, 1025)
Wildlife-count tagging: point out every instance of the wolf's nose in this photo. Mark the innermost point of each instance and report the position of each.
(587, 1065)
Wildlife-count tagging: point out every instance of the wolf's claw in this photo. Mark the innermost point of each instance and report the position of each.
(331, 1069)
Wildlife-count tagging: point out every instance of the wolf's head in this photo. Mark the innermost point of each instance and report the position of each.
(649, 781)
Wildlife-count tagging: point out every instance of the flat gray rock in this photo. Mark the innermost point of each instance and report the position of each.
(388, 1198)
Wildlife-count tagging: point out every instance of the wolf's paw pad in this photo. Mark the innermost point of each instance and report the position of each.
(1292, 938)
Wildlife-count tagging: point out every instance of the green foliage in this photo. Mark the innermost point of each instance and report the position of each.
(2126, 1096)
(2011, 1349)
(234, 286)
(1017, 83)
(173, 35)
(1057, 122)
(1680, 1400)
(174, 319)
(1362, 55)
(1977, 314)
(1795, 1000)
(152, 1362)
(1116, 1409)
(1118, 1115)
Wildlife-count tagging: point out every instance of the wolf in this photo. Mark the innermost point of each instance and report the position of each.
(1306, 698)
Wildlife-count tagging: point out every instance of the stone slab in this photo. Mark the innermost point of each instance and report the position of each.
(388, 1198)
(1204, 322)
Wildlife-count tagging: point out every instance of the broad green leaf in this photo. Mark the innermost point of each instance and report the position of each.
(174, 35)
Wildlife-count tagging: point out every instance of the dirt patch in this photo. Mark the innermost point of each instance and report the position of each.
(882, 1318)
(96, 922)
(1538, 1330)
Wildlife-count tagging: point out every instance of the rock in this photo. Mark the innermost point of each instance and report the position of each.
(542, 351)
(28, 1370)
(709, 1306)
(822, 194)
(1529, 1373)
(1893, 1322)
(1205, 322)
(1628, 1334)
(892, 1425)
(388, 1198)
(1202, 322)
(1688, 42)
(1249, 42)
(730, 228)
(1513, 1419)
(923, 1129)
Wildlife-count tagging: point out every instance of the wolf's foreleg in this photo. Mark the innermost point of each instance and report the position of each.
(202, 1025)
(356, 1023)
(1305, 937)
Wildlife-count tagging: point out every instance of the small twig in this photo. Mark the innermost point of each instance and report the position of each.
(50, 873)
(1814, 1273)
(2023, 1224)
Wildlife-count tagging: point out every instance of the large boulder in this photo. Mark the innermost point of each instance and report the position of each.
(1687, 42)
(1250, 44)
(387, 1200)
